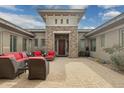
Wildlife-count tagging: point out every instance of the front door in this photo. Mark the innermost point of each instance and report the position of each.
(61, 47)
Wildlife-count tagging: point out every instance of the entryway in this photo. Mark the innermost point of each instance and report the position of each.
(61, 44)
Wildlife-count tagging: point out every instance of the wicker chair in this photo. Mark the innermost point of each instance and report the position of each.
(38, 68)
(9, 68)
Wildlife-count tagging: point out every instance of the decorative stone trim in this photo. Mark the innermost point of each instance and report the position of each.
(73, 38)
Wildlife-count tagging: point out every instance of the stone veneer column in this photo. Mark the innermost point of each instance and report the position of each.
(73, 38)
(73, 42)
(49, 38)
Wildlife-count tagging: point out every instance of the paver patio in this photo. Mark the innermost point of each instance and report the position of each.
(71, 72)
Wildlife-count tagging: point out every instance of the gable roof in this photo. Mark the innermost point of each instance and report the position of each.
(36, 30)
(8, 25)
(84, 30)
(118, 20)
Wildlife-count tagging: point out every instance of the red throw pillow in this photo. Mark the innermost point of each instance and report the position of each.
(37, 53)
(51, 53)
(17, 56)
(23, 55)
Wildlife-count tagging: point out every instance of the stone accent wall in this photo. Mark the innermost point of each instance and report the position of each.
(73, 38)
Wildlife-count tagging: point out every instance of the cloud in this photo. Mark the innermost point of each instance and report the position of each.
(83, 18)
(10, 7)
(108, 6)
(89, 27)
(64, 6)
(22, 20)
(109, 14)
(53, 7)
(78, 6)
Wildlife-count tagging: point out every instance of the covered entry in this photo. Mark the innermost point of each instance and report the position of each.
(62, 44)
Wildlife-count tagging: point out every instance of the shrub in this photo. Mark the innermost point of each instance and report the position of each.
(117, 56)
(100, 61)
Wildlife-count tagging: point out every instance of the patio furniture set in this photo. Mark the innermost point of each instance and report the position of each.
(15, 63)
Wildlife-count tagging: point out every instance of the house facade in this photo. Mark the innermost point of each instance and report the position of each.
(107, 35)
(61, 31)
(62, 35)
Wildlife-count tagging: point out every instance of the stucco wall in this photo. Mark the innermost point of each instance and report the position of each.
(81, 44)
(112, 37)
(5, 40)
(39, 36)
(73, 20)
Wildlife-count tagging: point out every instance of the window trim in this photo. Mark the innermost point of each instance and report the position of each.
(36, 45)
(80, 46)
(122, 38)
(42, 44)
(102, 40)
(67, 21)
(93, 48)
(55, 21)
(24, 44)
(13, 43)
(61, 21)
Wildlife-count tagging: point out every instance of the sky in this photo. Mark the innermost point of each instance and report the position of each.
(27, 17)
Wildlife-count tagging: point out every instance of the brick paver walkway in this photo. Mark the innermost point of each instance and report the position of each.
(71, 72)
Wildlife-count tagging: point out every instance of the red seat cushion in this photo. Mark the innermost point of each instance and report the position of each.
(17, 55)
(49, 57)
(34, 58)
(51, 52)
(7, 54)
(37, 53)
(7, 57)
(24, 55)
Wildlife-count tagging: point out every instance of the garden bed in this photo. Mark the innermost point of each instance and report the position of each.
(108, 65)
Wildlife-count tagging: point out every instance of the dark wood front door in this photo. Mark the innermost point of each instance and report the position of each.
(62, 47)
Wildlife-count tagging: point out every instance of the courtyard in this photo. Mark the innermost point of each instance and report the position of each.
(70, 73)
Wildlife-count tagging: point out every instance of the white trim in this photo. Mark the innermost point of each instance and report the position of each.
(14, 26)
(61, 10)
(64, 49)
(61, 32)
(121, 37)
(115, 19)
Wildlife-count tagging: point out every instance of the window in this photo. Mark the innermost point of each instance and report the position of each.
(61, 21)
(93, 44)
(67, 21)
(24, 44)
(0, 42)
(82, 45)
(30, 44)
(55, 21)
(103, 40)
(13, 43)
(122, 38)
(42, 42)
(36, 42)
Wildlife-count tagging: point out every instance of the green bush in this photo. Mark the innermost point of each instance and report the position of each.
(117, 56)
(118, 60)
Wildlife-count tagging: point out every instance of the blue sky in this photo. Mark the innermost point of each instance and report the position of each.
(26, 16)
